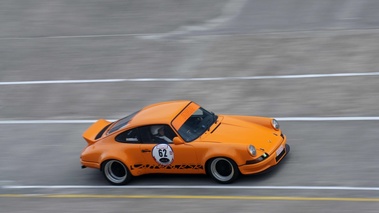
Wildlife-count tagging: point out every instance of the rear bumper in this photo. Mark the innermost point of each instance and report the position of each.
(89, 164)
(266, 164)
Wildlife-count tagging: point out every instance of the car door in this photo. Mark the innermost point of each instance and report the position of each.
(167, 157)
(129, 143)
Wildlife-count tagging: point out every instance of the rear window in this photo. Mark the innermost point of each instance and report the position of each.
(122, 123)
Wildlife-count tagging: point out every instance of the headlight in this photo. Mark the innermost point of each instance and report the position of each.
(275, 124)
(252, 150)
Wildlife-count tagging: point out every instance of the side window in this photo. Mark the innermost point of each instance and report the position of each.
(169, 132)
(146, 135)
(130, 136)
(157, 134)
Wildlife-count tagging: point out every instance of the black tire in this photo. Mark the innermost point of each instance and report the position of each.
(222, 170)
(116, 172)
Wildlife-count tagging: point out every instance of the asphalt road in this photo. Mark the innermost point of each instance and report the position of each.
(198, 50)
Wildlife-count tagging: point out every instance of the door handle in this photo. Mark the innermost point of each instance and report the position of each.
(145, 150)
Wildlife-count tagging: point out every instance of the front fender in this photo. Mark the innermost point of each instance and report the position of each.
(238, 153)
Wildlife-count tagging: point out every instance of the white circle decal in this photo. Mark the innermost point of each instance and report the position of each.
(163, 154)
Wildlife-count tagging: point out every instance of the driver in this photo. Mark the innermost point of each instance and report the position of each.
(158, 132)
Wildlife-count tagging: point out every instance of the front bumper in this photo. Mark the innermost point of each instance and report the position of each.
(266, 164)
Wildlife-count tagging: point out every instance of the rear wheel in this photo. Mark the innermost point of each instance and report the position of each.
(222, 170)
(116, 172)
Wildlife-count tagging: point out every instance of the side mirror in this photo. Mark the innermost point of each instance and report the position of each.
(177, 141)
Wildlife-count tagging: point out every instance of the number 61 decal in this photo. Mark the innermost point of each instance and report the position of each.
(163, 154)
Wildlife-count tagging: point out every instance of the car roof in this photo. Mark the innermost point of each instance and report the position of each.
(159, 113)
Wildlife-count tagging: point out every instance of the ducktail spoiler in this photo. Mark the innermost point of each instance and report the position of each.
(95, 131)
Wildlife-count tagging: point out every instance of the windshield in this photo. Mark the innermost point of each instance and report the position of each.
(199, 122)
(122, 122)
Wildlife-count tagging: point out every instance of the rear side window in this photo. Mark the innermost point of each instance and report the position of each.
(130, 136)
(122, 123)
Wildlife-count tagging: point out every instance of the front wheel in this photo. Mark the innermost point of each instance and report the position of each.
(222, 170)
(116, 172)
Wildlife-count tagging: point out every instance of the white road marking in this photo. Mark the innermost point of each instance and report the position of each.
(338, 188)
(312, 33)
(46, 121)
(73, 36)
(371, 118)
(62, 82)
(191, 79)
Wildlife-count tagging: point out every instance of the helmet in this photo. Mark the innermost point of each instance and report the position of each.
(154, 129)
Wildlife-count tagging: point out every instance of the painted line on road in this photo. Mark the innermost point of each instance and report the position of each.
(47, 121)
(334, 188)
(369, 118)
(62, 82)
(273, 77)
(74, 36)
(208, 197)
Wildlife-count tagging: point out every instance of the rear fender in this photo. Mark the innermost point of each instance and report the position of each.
(120, 157)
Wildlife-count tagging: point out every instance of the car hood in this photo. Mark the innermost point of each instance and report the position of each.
(243, 130)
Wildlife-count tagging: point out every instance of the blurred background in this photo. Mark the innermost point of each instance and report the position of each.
(274, 58)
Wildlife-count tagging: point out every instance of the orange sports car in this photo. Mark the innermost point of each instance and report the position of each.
(181, 137)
